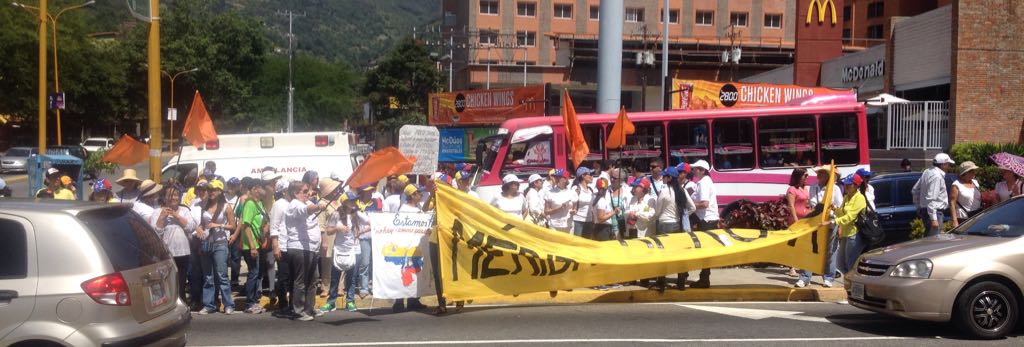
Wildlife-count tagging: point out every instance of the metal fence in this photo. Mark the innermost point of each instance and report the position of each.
(918, 125)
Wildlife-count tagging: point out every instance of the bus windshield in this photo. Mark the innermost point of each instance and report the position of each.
(533, 156)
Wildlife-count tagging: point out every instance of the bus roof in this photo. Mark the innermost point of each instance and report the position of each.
(588, 118)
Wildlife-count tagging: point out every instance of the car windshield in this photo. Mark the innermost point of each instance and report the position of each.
(1002, 221)
(95, 143)
(17, 152)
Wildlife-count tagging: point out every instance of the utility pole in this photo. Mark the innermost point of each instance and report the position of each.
(664, 54)
(42, 77)
(153, 87)
(291, 90)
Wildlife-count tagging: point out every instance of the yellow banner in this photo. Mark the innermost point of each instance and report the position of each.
(486, 252)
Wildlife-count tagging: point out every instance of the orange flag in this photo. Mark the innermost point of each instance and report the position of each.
(621, 128)
(127, 152)
(380, 164)
(578, 148)
(199, 127)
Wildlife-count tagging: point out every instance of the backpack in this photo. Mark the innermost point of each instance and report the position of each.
(869, 227)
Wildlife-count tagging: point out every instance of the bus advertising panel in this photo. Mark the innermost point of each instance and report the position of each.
(485, 106)
(702, 95)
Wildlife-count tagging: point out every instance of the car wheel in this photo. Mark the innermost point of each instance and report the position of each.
(986, 310)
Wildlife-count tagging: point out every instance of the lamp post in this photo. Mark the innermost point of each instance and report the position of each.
(56, 74)
(170, 122)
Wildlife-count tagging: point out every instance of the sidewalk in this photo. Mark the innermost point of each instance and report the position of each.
(727, 285)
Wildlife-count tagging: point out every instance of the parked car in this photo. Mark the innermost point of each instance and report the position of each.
(971, 276)
(895, 204)
(80, 274)
(73, 150)
(16, 159)
(93, 144)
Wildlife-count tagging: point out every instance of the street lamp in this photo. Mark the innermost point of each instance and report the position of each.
(170, 121)
(56, 73)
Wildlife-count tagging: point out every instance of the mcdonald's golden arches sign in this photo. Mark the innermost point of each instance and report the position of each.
(823, 6)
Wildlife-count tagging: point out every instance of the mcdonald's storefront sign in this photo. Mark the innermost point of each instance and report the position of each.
(823, 6)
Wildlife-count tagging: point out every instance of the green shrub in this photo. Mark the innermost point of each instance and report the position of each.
(917, 228)
(988, 173)
(95, 165)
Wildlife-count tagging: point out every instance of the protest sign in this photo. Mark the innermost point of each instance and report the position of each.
(423, 143)
(401, 255)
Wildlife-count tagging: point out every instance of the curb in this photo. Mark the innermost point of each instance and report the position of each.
(584, 296)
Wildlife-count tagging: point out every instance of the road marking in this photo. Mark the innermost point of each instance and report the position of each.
(756, 314)
(537, 341)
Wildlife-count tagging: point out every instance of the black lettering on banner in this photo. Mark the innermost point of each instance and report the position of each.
(568, 262)
(539, 266)
(476, 242)
(648, 243)
(814, 242)
(623, 243)
(657, 241)
(508, 227)
(713, 235)
(737, 237)
(764, 234)
(494, 242)
(693, 237)
(456, 236)
(791, 243)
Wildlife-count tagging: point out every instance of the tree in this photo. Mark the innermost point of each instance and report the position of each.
(326, 94)
(407, 74)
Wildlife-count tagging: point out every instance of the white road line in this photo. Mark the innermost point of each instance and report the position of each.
(555, 341)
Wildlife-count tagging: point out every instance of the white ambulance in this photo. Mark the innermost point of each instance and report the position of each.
(291, 154)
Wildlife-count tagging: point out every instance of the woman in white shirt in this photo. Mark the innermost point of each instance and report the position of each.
(604, 213)
(510, 201)
(558, 203)
(1011, 186)
(964, 194)
(535, 200)
(174, 224)
(413, 195)
(640, 209)
(583, 218)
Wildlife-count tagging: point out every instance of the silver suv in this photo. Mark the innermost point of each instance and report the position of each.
(80, 274)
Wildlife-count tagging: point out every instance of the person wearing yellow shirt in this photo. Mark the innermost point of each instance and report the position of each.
(850, 243)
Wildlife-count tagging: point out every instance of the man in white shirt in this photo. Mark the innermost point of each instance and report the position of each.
(280, 279)
(303, 233)
(817, 194)
(706, 200)
(930, 194)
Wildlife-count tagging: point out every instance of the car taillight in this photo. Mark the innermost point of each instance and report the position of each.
(321, 140)
(215, 144)
(108, 290)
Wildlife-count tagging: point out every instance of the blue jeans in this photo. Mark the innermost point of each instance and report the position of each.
(583, 229)
(215, 275)
(927, 220)
(830, 260)
(350, 287)
(253, 279)
(363, 264)
(851, 246)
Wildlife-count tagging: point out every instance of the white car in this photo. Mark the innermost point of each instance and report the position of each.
(93, 144)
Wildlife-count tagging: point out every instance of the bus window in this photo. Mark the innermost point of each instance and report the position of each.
(688, 141)
(839, 139)
(644, 145)
(787, 141)
(734, 144)
(594, 134)
(534, 156)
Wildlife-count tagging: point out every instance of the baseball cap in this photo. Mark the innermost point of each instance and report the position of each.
(943, 158)
(863, 172)
(234, 181)
(349, 195)
(102, 184)
(412, 188)
(684, 167)
(534, 178)
(281, 186)
(269, 175)
(216, 184)
(52, 171)
(701, 164)
(671, 172)
(561, 173)
(65, 180)
(510, 178)
(642, 182)
(853, 179)
(583, 170)
(602, 183)
(403, 178)
(463, 175)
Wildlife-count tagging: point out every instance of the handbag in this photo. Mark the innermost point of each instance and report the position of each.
(868, 226)
(343, 262)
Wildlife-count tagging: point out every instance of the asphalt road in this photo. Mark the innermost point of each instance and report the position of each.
(19, 181)
(741, 324)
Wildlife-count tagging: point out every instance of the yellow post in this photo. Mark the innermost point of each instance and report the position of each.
(56, 78)
(42, 76)
(170, 123)
(153, 60)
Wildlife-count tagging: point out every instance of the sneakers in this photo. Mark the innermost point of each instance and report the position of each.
(318, 313)
(826, 284)
(304, 318)
(206, 311)
(801, 284)
(255, 309)
(350, 306)
(229, 310)
(328, 307)
(702, 283)
(363, 293)
(415, 305)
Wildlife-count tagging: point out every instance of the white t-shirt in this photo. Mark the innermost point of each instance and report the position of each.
(143, 209)
(513, 206)
(535, 205)
(1004, 191)
(969, 198)
(344, 242)
(603, 206)
(303, 230)
(277, 230)
(706, 192)
(406, 208)
(584, 198)
(392, 203)
(690, 188)
(869, 194)
(559, 198)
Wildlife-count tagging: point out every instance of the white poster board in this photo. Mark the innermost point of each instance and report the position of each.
(422, 142)
(401, 255)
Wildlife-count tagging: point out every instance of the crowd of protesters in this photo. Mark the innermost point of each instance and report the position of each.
(300, 239)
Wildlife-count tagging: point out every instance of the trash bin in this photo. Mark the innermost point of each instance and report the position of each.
(68, 165)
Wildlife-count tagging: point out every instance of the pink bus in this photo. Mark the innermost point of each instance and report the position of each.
(752, 151)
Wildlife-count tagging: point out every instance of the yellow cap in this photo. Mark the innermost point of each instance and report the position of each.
(216, 184)
(410, 189)
(65, 180)
(403, 178)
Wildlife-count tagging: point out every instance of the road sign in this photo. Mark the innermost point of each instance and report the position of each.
(56, 101)
(172, 114)
(141, 9)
